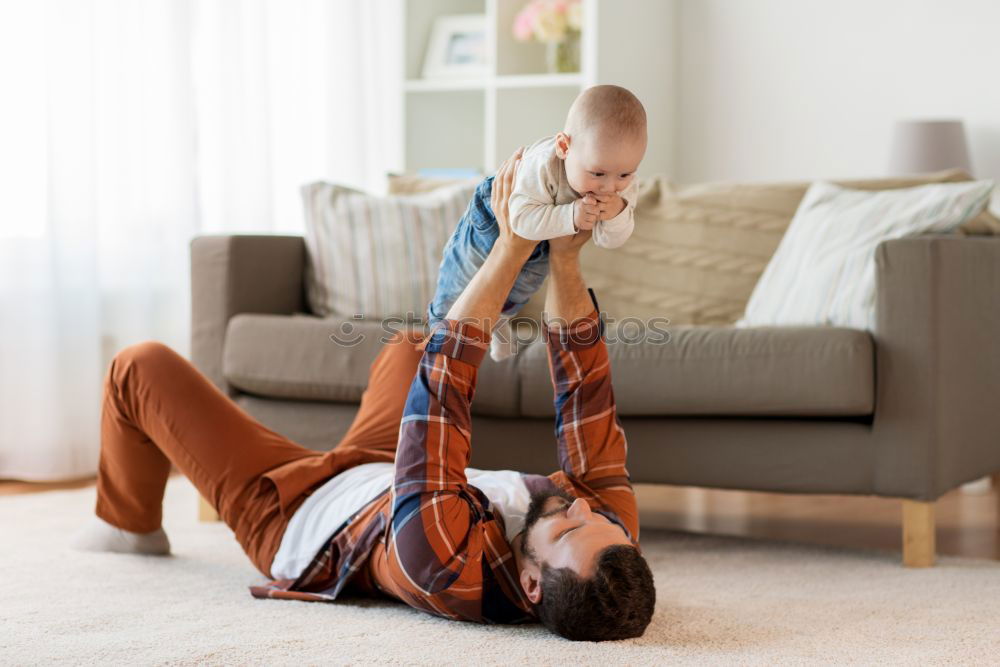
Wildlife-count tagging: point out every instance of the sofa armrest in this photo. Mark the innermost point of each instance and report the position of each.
(233, 274)
(937, 338)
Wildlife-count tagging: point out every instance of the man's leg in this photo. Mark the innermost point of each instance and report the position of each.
(159, 408)
(375, 428)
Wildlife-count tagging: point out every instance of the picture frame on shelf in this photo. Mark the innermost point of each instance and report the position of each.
(456, 48)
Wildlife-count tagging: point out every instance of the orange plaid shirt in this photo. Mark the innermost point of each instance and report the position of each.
(434, 541)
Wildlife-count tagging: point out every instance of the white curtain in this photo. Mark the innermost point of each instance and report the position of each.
(126, 128)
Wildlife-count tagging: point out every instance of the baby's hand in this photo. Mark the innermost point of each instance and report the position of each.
(609, 206)
(585, 212)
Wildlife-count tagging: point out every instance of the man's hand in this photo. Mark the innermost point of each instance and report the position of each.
(503, 185)
(609, 206)
(585, 212)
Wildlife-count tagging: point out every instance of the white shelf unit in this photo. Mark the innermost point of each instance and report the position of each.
(474, 123)
(509, 81)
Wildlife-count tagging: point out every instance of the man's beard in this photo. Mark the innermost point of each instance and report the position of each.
(536, 511)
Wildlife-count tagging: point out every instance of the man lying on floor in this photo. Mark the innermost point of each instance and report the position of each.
(393, 510)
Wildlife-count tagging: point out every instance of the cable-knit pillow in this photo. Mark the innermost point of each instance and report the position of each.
(377, 256)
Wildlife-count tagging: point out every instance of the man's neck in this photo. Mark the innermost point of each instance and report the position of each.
(515, 548)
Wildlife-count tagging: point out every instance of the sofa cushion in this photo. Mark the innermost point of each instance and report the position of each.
(376, 256)
(698, 250)
(294, 357)
(724, 371)
(412, 183)
(823, 272)
(786, 371)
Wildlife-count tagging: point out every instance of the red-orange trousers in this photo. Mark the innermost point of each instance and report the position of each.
(158, 408)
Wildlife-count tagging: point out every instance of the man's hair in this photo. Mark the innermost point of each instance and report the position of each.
(610, 111)
(615, 603)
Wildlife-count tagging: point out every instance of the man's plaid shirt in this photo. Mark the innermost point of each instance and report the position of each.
(433, 540)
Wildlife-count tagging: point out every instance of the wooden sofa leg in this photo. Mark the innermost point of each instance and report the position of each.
(205, 511)
(918, 533)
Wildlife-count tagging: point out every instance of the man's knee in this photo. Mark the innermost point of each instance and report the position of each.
(149, 353)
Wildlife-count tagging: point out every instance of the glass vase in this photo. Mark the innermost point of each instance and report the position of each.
(563, 56)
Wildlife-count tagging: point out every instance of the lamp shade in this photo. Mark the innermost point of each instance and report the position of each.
(920, 146)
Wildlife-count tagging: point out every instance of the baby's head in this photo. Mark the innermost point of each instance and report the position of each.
(604, 140)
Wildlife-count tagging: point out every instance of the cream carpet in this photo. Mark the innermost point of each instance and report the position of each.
(720, 601)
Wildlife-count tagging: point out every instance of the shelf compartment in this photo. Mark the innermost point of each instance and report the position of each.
(433, 85)
(573, 80)
(525, 115)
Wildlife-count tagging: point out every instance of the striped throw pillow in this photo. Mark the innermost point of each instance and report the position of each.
(823, 271)
(374, 256)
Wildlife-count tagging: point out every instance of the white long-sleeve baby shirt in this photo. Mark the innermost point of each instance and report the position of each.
(541, 203)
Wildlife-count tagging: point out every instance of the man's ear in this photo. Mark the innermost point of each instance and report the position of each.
(531, 582)
(562, 145)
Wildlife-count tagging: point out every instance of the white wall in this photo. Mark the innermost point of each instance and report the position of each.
(646, 30)
(802, 89)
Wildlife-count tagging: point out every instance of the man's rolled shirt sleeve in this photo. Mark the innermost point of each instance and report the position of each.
(590, 441)
(434, 515)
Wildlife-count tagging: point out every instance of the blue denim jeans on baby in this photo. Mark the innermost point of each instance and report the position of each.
(466, 251)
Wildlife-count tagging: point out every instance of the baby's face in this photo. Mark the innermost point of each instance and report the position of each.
(602, 166)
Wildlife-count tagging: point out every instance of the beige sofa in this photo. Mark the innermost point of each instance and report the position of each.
(907, 411)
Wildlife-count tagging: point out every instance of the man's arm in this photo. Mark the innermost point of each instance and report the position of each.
(590, 440)
(433, 521)
(482, 299)
(567, 299)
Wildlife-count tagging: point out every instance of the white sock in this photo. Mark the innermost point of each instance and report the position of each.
(99, 535)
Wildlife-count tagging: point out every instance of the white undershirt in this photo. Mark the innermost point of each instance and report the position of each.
(337, 500)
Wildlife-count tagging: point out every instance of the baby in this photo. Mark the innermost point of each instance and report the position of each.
(583, 178)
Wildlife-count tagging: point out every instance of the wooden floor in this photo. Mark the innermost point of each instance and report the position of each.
(967, 519)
